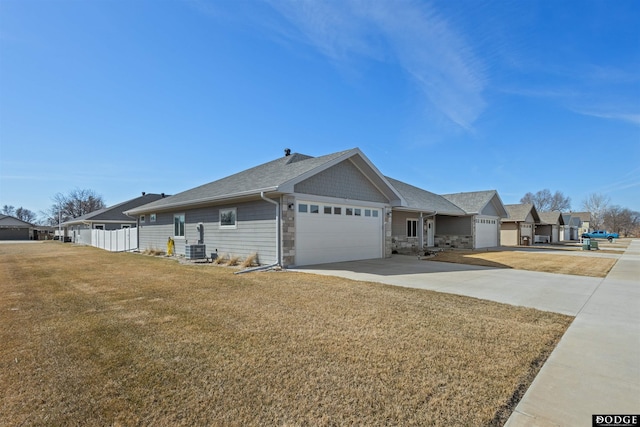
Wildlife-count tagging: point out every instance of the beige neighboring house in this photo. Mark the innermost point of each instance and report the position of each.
(550, 227)
(585, 218)
(519, 229)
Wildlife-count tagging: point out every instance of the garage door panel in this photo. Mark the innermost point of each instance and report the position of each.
(486, 232)
(322, 238)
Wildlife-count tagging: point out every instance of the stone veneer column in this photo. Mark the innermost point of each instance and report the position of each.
(388, 241)
(288, 218)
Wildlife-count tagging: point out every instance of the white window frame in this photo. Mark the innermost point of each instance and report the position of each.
(234, 215)
(184, 225)
(414, 229)
(152, 217)
(98, 226)
(125, 225)
(142, 218)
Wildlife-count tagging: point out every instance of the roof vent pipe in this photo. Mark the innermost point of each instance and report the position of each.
(143, 193)
(287, 152)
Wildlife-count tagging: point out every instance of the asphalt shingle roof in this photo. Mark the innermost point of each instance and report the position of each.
(265, 177)
(554, 217)
(420, 199)
(115, 212)
(519, 212)
(472, 202)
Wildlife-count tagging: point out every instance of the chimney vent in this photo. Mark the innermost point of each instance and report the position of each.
(162, 195)
(287, 152)
(143, 193)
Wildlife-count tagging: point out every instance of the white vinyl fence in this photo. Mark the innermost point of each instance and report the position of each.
(125, 239)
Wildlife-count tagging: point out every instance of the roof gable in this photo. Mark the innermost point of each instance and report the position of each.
(553, 218)
(523, 212)
(12, 221)
(278, 176)
(479, 203)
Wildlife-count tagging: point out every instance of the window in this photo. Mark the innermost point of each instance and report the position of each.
(367, 212)
(357, 212)
(125, 226)
(337, 210)
(228, 218)
(99, 226)
(142, 218)
(412, 228)
(302, 208)
(152, 217)
(314, 209)
(327, 210)
(349, 211)
(178, 225)
(375, 213)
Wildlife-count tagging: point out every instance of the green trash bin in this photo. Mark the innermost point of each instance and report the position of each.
(594, 244)
(586, 244)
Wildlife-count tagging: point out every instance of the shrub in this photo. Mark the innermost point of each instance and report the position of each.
(250, 261)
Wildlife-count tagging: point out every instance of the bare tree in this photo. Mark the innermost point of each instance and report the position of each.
(621, 220)
(8, 210)
(596, 204)
(77, 203)
(545, 201)
(25, 215)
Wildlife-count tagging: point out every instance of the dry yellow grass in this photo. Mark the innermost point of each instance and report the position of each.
(96, 338)
(529, 260)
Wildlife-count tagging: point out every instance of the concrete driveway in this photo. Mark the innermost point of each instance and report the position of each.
(544, 291)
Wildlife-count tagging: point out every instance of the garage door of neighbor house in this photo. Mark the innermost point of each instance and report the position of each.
(333, 233)
(554, 233)
(486, 232)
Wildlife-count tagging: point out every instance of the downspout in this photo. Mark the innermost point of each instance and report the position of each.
(278, 263)
(278, 226)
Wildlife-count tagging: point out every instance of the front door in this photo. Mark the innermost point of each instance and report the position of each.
(430, 233)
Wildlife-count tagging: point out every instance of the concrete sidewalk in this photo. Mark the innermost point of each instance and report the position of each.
(595, 369)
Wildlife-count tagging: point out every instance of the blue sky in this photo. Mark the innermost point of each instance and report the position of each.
(161, 96)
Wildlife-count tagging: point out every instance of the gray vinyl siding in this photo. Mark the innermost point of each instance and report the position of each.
(255, 231)
(399, 222)
(448, 225)
(344, 181)
(490, 209)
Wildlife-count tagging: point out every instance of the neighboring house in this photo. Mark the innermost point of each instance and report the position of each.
(480, 228)
(109, 218)
(12, 228)
(417, 224)
(572, 225)
(520, 227)
(585, 218)
(551, 225)
(302, 210)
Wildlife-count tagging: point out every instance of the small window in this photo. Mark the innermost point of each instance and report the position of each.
(337, 210)
(99, 226)
(228, 218)
(367, 212)
(375, 213)
(327, 210)
(314, 209)
(412, 228)
(125, 226)
(349, 211)
(152, 218)
(142, 218)
(178, 225)
(302, 208)
(357, 212)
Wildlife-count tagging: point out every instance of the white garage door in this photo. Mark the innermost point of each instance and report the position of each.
(486, 232)
(333, 233)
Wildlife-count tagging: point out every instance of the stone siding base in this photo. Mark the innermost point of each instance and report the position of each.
(454, 241)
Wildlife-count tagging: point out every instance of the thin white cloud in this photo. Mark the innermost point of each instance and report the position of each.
(620, 116)
(410, 34)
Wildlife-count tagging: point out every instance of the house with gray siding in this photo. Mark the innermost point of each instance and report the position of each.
(109, 218)
(480, 228)
(295, 210)
(12, 228)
